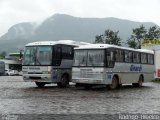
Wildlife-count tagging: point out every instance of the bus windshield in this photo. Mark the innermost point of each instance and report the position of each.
(40, 55)
(89, 58)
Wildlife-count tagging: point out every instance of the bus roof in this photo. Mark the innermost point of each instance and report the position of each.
(66, 42)
(103, 46)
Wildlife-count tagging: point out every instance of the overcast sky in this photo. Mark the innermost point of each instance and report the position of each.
(15, 11)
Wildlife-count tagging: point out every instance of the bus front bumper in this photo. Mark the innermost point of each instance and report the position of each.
(88, 81)
(37, 78)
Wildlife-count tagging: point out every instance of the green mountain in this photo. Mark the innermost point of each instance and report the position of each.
(61, 26)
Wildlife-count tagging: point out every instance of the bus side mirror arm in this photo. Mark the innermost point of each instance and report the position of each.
(21, 54)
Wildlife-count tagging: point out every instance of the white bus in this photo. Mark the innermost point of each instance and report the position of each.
(104, 64)
(49, 62)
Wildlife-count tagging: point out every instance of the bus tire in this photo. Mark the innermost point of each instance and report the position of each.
(140, 82)
(40, 84)
(64, 81)
(114, 83)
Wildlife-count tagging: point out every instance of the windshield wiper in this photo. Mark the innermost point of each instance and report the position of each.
(36, 60)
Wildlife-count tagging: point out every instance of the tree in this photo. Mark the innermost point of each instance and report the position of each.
(99, 39)
(153, 33)
(141, 33)
(132, 43)
(109, 37)
(137, 34)
(2, 54)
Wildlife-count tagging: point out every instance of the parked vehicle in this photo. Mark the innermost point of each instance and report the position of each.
(104, 64)
(49, 62)
(11, 72)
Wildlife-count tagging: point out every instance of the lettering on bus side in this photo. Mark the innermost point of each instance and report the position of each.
(135, 68)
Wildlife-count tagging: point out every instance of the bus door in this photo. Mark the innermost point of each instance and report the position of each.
(57, 56)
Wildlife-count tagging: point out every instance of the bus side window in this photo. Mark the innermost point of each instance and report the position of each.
(144, 58)
(150, 59)
(110, 58)
(136, 57)
(119, 55)
(127, 57)
(67, 52)
(130, 57)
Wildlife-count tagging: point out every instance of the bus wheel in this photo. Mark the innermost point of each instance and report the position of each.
(114, 84)
(40, 84)
(140, 82)
(64, 81)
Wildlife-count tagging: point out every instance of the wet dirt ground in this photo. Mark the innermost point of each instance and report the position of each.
(23, 100)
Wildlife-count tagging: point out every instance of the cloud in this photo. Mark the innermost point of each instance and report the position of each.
(138, 10)
(15, 11)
